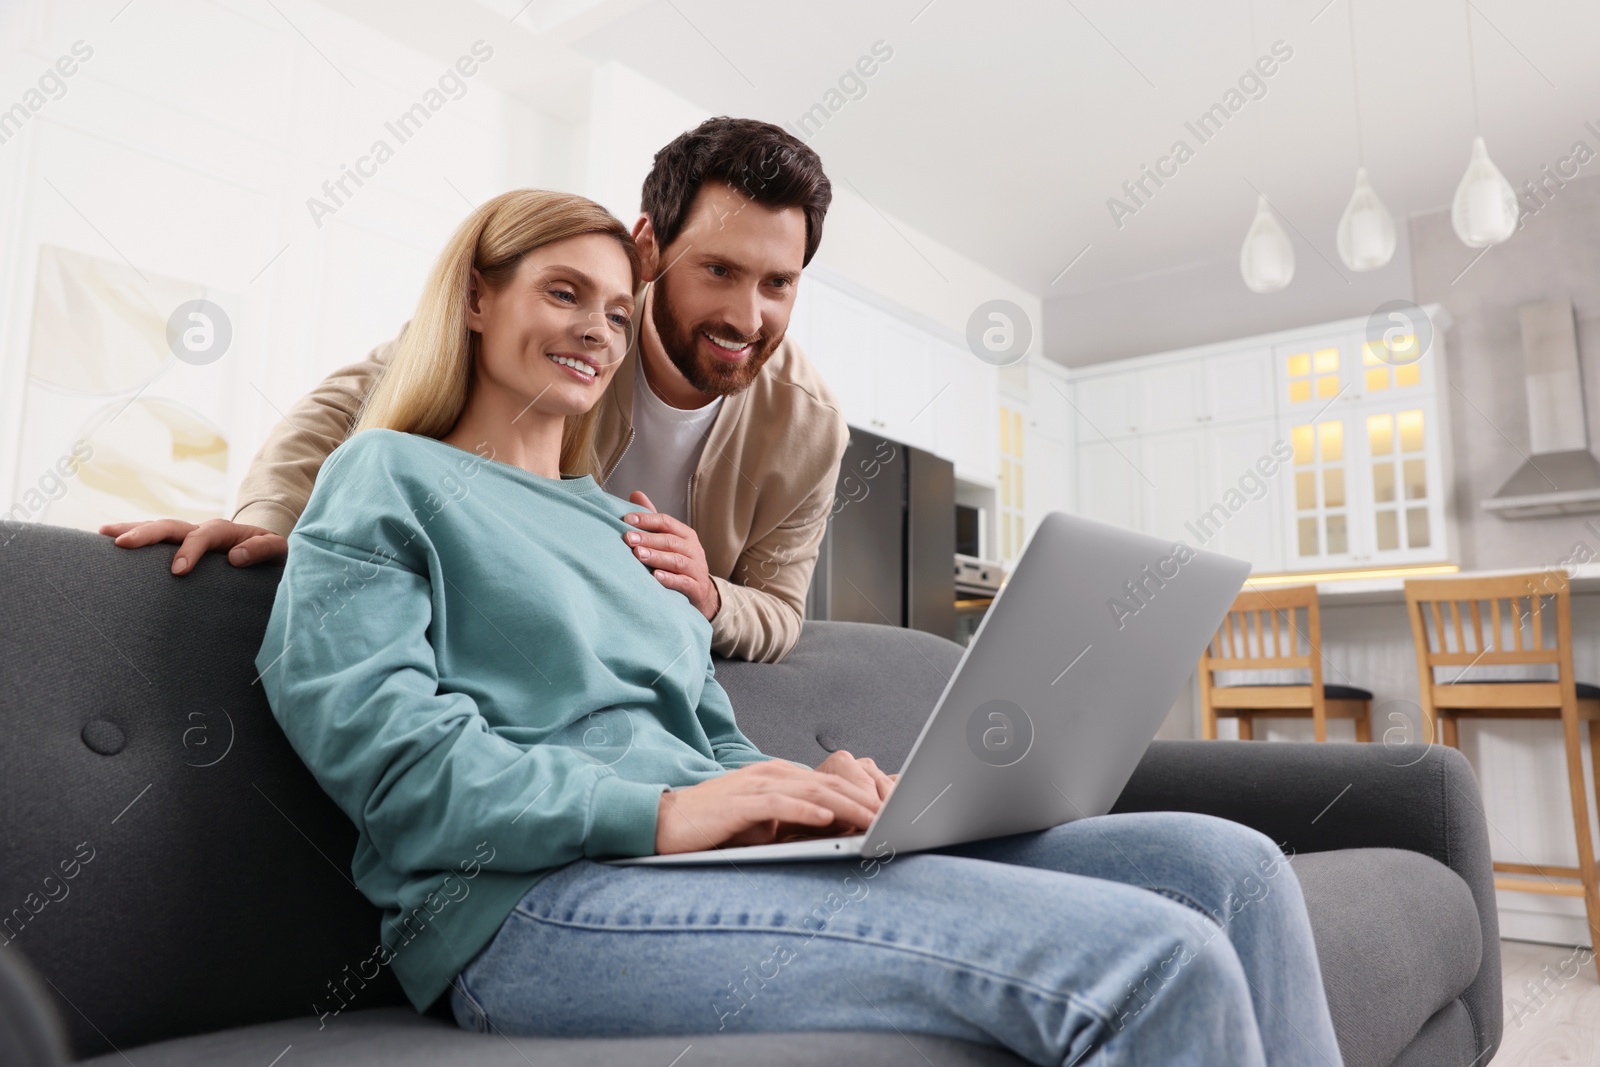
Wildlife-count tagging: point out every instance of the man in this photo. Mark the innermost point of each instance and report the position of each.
(715, 424)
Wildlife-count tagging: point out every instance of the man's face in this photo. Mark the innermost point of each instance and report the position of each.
(724, 289)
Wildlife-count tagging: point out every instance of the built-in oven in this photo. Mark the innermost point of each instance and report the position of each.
(977, 579)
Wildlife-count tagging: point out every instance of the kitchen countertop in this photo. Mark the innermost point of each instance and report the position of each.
(1349, 592)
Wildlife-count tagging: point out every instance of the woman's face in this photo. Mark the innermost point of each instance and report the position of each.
(553, 335)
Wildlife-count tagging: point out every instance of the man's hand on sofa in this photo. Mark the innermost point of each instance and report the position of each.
(760, 803)
(245, 545)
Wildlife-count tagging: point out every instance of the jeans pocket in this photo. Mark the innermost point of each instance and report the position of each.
(468, 1012)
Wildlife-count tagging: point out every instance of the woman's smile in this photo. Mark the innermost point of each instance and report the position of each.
(578, 365)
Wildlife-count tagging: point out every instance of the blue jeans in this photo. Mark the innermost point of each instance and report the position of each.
(1158, 938)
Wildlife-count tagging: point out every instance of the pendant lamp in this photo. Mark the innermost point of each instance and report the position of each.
(1267, 259)
(1484, 211)
(1365, 237)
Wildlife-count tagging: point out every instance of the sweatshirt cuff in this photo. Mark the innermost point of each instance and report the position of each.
(267, 514)
(623, 818)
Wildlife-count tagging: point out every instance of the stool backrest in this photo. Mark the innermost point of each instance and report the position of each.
(1508, 620)
(1263, 631)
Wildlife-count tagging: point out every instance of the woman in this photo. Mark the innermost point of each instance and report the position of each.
(497, 693)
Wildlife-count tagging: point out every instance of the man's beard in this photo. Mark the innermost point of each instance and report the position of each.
(710, 375)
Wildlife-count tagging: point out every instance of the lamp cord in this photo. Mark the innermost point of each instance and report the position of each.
(1472, 71)
(1355, 84)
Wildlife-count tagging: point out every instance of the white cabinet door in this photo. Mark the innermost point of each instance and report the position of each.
(966, 414)
(1170, 397)
(1108, 483)
(1246, 493)
(1171, 477)
(1106, 406)
(903, 388)
(1047, 474)
(1239, 385)
(1397, 480)
(1049, 412)
(1310, 373)
(1321, 527)
(843, 347)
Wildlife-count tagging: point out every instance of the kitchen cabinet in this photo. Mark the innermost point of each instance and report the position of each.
(1011, 488)
(903, 383)
(1169, 396)
(1108, 482)
(1047, 428)
(1368, 486)
(965, 412)
(1238, 385)
(1244, 459)
(1369, 468)
(1201, 486)
(1173, 482)
(843, 349)
(1050, 413)
(1106, 405)
(1308, 449)
(1313, 371)
(1048, 477)
(1175, 394)
(907, 381)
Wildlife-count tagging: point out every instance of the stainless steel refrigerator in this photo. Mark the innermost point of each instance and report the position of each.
(889, 552)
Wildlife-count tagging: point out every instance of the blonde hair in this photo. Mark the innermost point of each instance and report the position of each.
(426, 385)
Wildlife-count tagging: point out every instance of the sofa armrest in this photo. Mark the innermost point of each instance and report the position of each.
(1319, 797)
(31, 1034)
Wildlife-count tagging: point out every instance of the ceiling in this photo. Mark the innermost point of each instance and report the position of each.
(1002, 128)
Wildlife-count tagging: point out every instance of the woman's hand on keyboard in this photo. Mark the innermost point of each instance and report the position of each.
(754, 804)
(861, 770)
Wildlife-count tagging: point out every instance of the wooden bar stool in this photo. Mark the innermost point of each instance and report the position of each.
(1293, 614)
(1535, 611)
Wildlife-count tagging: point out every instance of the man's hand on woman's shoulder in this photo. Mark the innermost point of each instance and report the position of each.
(245, 545)
(672, 551)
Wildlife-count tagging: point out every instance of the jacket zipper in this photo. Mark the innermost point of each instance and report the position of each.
(688, 503)
(607, 476)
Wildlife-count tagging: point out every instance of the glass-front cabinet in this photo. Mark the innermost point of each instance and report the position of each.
(1363, 418)
(1307, 450)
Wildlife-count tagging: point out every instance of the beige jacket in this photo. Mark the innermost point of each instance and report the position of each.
(759, 499)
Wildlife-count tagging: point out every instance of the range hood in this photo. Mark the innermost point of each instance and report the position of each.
(1562, 477)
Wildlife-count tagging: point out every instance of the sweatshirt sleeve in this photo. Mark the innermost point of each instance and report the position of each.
(352, 679)
(728, 743)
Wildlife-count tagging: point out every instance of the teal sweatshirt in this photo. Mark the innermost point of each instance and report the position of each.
(479, 672)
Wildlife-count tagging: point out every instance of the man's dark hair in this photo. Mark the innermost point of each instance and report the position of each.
(760, 160)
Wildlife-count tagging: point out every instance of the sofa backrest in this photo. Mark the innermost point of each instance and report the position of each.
(171, 867)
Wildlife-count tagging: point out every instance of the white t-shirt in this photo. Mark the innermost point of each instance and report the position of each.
(666, 448)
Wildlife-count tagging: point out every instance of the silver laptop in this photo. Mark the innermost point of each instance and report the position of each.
(1053, 703)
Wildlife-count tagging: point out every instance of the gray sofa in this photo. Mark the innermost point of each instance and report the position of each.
(179, 885)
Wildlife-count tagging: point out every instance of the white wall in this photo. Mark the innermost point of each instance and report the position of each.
(183, 155)
(631, 117)
(187, 147)
(907, 266)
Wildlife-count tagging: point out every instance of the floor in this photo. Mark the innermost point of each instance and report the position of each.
(1552, 1002)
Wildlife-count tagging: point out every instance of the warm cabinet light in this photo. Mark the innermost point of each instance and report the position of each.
(1364, 575)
